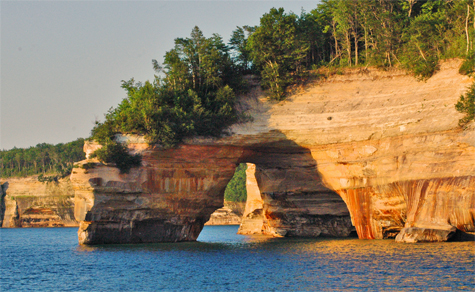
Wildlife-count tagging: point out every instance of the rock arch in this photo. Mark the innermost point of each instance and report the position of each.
(391, 150)
(295, 212)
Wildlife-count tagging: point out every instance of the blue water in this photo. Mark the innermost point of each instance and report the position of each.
(50, 259)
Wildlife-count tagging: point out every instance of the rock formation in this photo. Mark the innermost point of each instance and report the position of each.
(3, 194)
(229, 214)
(292, 203)
(169, 198)
(253, 219)
(27, 202)
(378, 150)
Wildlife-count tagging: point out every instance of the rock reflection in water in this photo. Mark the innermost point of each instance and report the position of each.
(221, 260)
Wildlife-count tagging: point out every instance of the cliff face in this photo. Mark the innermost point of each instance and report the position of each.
(271, 211)
(30, 203)
(169, 198)
(253, 218)
(230, 214)
(374, 149)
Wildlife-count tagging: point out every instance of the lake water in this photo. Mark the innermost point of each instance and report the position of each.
(50, 259)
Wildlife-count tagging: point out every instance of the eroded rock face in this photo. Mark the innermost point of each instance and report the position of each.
(377, 149)
(253, 219)
(418, 234)
(168, 199)
(30, 203)
(295, 200)
(3, 194)
(230, 214)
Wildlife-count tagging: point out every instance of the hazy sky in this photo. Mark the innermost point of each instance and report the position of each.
(62, 62)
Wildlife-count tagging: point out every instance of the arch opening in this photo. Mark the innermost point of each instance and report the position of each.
(286, 197)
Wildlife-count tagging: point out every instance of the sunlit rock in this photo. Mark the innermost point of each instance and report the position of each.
(30, 203)
(377, 150)
(230, 214)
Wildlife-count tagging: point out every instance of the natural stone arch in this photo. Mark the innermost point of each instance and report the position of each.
(364, 135)
(295, 201)
(174, 193)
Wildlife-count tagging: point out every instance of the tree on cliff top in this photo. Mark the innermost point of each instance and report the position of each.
(196, 97)
(55, 160)
(278, 51)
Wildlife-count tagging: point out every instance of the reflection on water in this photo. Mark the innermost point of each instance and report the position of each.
(51, 259)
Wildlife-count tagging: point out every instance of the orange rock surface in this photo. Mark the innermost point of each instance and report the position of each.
(29, 203)
(378, 150)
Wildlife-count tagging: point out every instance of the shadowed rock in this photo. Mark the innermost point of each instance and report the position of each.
(391, 159)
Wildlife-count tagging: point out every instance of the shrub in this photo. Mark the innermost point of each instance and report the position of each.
(468, 66)
(114, 152)
(422, 69)
(466, 104)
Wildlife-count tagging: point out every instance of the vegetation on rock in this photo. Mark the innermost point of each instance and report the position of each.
(466, 105)
(114, 152)
(468, 66)
(413, 35)
(195, 92)
(196, 97)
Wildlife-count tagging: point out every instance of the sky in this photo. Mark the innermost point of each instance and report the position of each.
(62, 62)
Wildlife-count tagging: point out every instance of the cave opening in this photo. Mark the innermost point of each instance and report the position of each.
(280, 213)
(234, 200)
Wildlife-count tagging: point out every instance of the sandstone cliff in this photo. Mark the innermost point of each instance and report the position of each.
(377, 150)
(230, 214)
(30, 203)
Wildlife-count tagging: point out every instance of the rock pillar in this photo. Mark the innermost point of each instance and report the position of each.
(168, 199)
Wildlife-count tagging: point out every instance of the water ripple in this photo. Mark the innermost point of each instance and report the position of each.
(51, 260)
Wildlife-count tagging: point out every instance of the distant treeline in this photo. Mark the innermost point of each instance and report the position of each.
(50, 161)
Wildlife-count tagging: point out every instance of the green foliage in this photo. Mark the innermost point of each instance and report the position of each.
(51, 178)
(240, 53)
(421, 68)
(88, 165)
(117, 153)
(424, 40)
(278, 51)
(196, 97)
(466, 105)
(383, 33)
(236, 188)
(56, 160)
(468, 65)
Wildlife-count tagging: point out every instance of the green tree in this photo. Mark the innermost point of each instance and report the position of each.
(239, 49)
(466, 105)
(236, 188)
(196, 96)
(56, 160)
(278, 51)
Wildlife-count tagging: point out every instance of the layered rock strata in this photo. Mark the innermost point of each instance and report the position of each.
(30, 203)
(168, 199)
(378, 150)
(230, 214)
(283, 209)
(253, 219)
